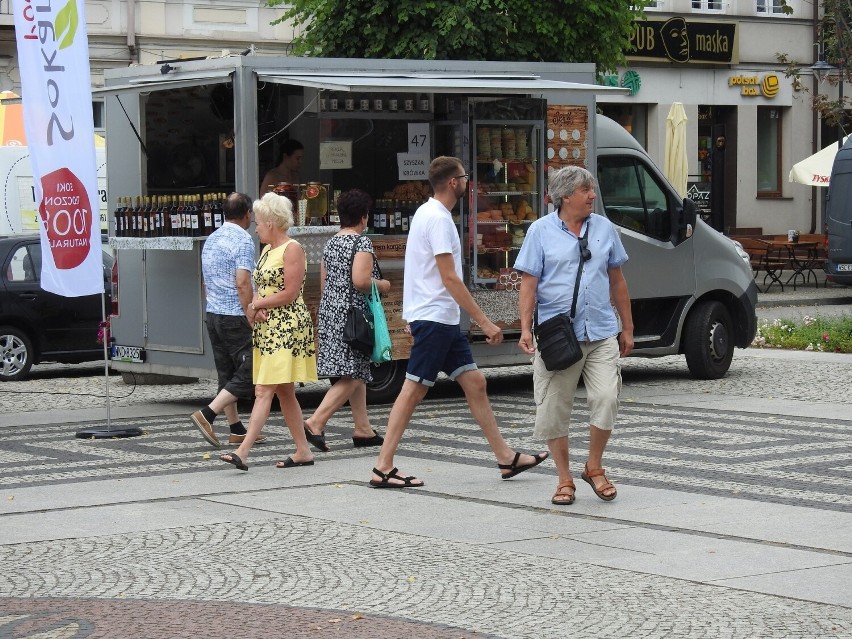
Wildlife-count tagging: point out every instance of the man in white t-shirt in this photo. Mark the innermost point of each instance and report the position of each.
(433, 291)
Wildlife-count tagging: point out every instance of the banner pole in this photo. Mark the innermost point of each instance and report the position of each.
(109, 433)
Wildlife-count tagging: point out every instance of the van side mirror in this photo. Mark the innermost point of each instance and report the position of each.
(687, 216)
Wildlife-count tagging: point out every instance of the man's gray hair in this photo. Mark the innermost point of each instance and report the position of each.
(563, 182)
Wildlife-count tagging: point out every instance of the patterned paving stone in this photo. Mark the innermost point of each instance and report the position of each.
(53, 618)
(771, 458)
(272, 564)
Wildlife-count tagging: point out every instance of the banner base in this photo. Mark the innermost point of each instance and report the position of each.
(100, 433)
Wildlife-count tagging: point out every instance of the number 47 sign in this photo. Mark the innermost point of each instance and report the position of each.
(414, 165)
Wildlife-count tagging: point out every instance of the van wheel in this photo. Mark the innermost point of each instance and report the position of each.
(387, 382)
(16, 354)
(707, 340)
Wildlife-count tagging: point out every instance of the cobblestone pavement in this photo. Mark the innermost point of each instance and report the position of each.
(297, 575)
(815, 379)
(300, 562)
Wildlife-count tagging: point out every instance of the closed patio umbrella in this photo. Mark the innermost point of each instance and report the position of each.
(676, 164)
(816, 169)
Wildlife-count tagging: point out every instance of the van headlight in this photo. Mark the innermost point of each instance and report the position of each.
(742, 252)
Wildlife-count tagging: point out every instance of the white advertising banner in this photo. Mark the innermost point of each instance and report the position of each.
(53, 56)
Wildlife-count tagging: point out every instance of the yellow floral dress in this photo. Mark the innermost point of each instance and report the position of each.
(284, 348)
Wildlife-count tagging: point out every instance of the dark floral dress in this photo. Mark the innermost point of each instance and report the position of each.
(284, 349)
(335, 358)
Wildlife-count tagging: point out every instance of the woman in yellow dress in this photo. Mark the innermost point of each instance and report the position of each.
(283, 334)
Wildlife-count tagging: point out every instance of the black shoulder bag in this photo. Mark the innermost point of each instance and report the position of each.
(358, 328)
(556, 341)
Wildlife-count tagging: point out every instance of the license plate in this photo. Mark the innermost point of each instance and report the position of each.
(134, 354)
(844, 267)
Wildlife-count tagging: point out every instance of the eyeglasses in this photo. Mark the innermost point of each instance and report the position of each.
(584, 249)
(465, 176)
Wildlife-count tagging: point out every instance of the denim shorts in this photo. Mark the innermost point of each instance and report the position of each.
(230, 337)
(438, 348)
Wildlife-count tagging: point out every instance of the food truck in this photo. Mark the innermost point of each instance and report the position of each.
(182, 134)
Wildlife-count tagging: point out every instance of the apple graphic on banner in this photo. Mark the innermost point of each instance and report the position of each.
(67, 215)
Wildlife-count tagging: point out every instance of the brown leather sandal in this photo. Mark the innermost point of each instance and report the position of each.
(561, 498)
(599, 491)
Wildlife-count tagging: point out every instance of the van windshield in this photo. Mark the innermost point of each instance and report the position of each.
(632, 198)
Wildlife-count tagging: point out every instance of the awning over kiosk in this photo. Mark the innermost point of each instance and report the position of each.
(436, 83)
(164, 82)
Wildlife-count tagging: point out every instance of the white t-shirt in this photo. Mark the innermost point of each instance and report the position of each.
(424, 296)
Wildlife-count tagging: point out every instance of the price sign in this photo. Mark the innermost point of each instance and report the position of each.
(413, 166)
(336, 155)
(419, 142)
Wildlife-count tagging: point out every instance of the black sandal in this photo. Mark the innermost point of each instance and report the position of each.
(317, 441)
(408, 482)
(363, 442)
(234, 459)
(514, 469)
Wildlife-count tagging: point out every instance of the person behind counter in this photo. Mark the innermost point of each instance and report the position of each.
(347, 260)
(288, 167)
(282, 331)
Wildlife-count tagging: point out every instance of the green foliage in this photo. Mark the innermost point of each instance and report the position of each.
(835, 38)
(521, 30)
(811, 334)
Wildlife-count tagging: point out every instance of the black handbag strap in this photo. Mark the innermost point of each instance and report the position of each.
(355, 246)
(579, 275)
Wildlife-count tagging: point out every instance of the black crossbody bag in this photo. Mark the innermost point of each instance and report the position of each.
(358, 328)
(556, 341)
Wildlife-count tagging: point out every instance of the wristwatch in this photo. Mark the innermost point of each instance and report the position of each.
(252, 306)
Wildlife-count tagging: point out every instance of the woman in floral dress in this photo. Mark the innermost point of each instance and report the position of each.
(348, 368)
(284, 352)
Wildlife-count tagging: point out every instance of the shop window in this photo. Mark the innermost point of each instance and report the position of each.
(771, 7)
(768, 156)
(709, 5)
(98, 115)
(632, 197)
(633, 117)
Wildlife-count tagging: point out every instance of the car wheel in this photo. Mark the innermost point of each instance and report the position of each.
(16, 354)
(708, 340)
(387, 382)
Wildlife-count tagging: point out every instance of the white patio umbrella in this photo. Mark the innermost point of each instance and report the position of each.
(676, 164)
(816, 169)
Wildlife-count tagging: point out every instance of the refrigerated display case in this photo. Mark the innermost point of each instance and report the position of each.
(508, 195)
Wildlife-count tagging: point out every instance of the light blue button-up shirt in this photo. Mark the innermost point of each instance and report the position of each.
(551, 253)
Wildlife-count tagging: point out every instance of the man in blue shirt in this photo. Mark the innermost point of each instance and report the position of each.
(227, 261)
(549, 260)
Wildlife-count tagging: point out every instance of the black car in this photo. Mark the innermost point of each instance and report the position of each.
(37, 326)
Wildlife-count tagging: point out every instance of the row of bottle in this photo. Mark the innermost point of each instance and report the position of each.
(392, 217)
(169, 215)
(375, 102)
